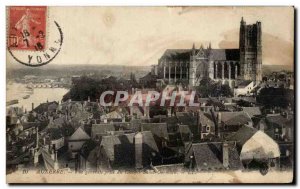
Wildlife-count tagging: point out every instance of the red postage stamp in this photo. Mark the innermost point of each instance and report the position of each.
(27, 28)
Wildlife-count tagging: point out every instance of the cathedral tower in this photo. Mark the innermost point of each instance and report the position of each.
(250, 51)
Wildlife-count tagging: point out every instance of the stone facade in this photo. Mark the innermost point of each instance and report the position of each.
(189, 66)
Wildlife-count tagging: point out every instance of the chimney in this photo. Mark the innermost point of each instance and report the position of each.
(219, 117)
(138, 147)
(199, 124)
(37, 138)
(146, 111)
(32, 106)
(131, 110)
(218, 124)
(225, 155)
(53, 152)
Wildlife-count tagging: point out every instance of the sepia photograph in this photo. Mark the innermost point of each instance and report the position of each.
(150, 94)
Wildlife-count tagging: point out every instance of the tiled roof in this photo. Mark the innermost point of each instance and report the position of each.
(158, 129)
(87, 147)
(242, 135)
(186, 118)
(210, 155)
(28, 125)
(79, 134)
(255, 144)
(244, 83)
(205, 118)
(112, 115)
(252, 111)
(101, 129)
(279, 120)
(120, 148)
(235, 118)
(185, 133)
(55, 133)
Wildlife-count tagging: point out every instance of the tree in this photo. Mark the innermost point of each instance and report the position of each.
(208, 87)
(276, 97)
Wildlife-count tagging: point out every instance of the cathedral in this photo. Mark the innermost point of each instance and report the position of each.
(229, 66)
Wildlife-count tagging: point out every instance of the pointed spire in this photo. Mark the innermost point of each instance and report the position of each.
(242, 21)
(201, 47)
(193, 49)
(209, 45)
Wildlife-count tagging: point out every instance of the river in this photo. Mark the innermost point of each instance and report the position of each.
(37, 96)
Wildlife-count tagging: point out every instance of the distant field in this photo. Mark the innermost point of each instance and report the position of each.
(276, 68)
(19, 71)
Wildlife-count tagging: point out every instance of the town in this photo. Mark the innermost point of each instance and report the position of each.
(244, 119)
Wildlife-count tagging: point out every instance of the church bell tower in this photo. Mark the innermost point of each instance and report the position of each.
(250, 51)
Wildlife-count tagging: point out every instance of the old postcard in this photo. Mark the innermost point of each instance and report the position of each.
(150, 94)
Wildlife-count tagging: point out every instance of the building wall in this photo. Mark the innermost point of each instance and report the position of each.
(75, 145)
(201, 65)
(250, 51)
(244, 91)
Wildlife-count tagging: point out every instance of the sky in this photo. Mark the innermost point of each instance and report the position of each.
(140, 35)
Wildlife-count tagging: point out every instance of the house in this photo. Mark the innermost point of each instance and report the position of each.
(191, 119)
(230, 122)
(186, 134)
(199, 123)
(99, 130)
(58, 122)
(159, 132)
(54, 138)
(245, 101)
(244, 88)
(280, 127)
(13, 114)
(80, 118)
(88, 156)
(207, 124)
(254, 144)
(127, 151)
(252, 111)
(112, 117)
(212, 156)
(76, 140)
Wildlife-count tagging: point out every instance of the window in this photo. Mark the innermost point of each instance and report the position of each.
(208, 128)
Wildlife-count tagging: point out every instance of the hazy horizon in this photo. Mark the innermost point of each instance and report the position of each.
(139, 35)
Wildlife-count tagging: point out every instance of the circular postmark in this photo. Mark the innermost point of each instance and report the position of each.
(32, 40)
